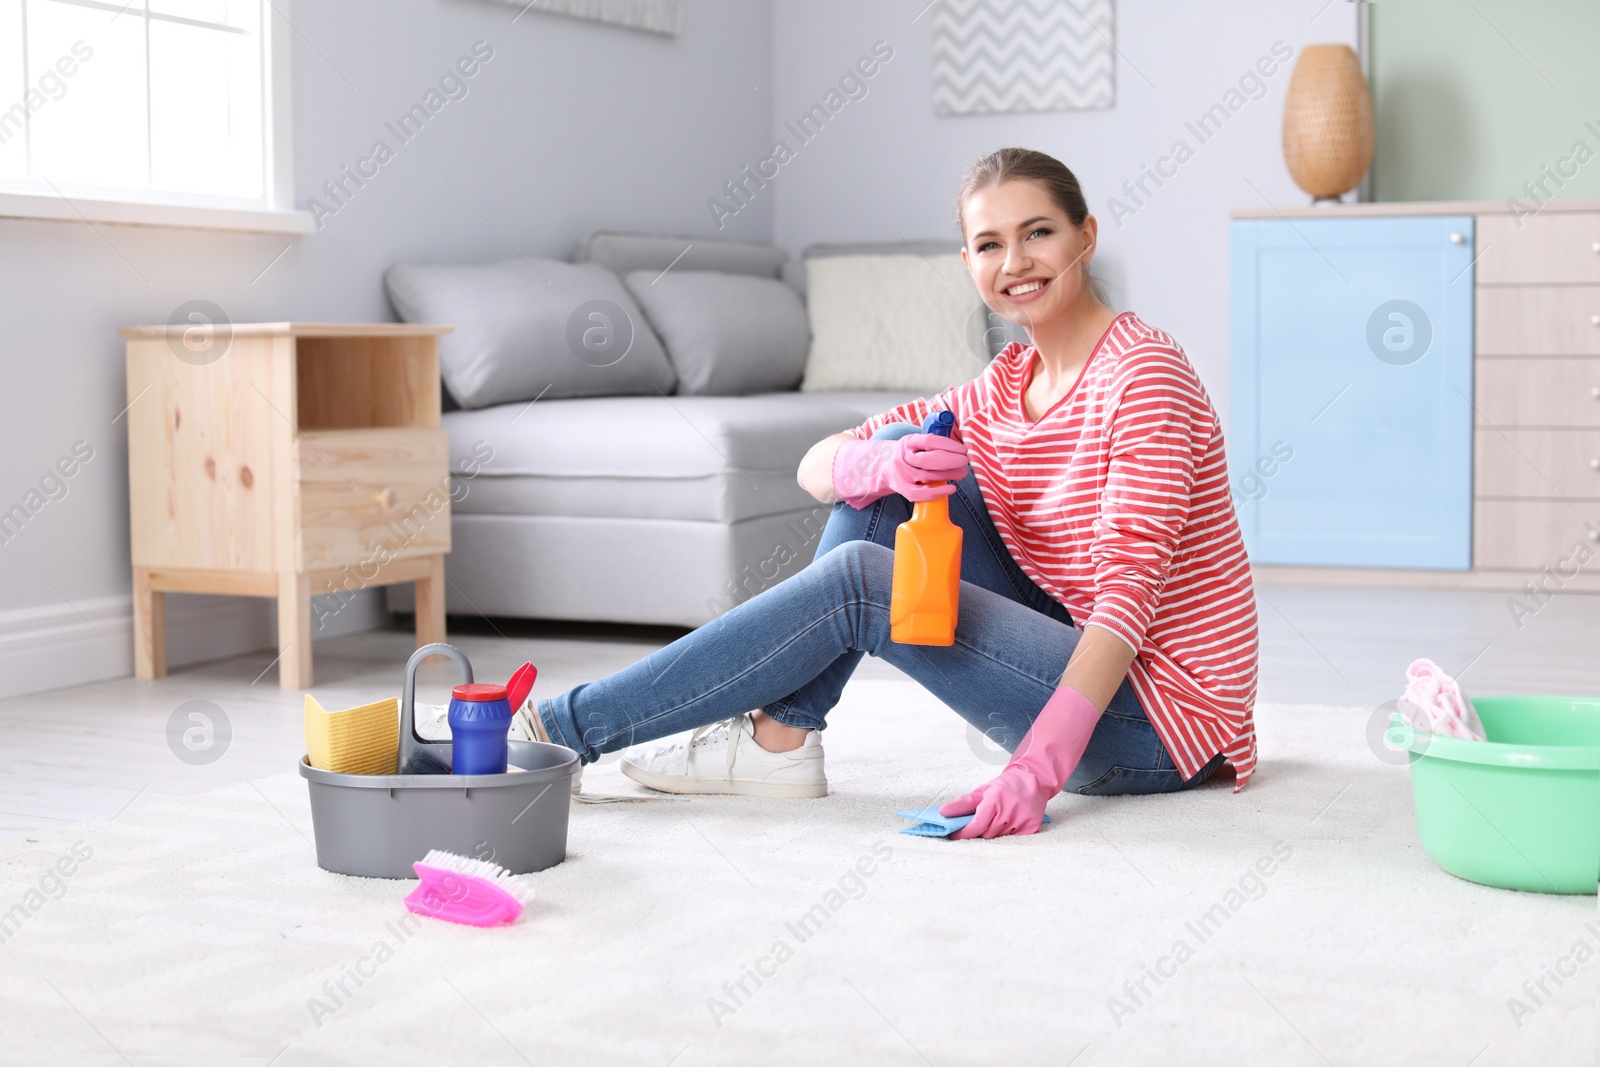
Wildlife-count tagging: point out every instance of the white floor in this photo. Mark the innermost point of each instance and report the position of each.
(1358, 951)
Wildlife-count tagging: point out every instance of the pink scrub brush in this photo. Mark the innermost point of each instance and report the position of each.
(468, 891)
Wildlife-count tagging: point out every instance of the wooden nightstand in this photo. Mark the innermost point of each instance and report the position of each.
(286, 460)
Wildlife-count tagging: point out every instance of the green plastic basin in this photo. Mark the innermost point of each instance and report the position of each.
(1520, 810)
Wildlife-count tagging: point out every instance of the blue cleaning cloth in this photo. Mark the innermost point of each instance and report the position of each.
(929, 823)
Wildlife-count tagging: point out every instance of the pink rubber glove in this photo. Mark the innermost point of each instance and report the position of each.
(1014, 802)
(864, 471)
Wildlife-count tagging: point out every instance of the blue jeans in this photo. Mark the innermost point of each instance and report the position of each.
(790, 649)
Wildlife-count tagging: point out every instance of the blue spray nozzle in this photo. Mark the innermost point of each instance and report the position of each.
(940, 423)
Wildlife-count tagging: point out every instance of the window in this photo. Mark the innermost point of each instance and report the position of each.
(169, 104)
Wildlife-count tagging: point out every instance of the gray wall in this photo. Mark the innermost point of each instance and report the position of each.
(572, 125)
(1168, 260)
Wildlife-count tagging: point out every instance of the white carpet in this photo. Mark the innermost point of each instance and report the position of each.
(201, 931)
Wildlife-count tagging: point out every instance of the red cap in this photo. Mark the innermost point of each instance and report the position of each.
(479, 691)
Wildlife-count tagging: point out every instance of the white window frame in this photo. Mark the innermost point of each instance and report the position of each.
(197, 211)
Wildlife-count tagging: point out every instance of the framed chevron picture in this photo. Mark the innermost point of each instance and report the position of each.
(1022, 55)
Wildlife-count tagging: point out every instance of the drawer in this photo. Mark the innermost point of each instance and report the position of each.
(1538, 392)
(1554, 247)
(1529, 535)
(372, 494)
(1537, 464)
(1538, 320)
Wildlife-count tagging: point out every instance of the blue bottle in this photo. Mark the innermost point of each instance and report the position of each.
(480, 721)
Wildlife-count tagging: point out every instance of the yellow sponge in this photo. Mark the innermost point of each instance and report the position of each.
(363, 740)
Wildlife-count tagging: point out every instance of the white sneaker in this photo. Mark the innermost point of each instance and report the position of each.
(525, 726)
(724, 758)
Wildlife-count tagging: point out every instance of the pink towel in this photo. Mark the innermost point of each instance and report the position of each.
(1433, 701)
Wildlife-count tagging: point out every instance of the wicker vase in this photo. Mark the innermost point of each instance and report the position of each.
(1327, 122)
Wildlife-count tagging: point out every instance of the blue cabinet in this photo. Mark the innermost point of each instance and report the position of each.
(1350, 437)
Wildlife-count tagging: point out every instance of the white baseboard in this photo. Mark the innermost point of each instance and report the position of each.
(58, 645)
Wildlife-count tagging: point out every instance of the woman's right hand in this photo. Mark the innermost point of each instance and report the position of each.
(915, 466)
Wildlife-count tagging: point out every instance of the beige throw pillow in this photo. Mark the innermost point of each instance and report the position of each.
(892, 322)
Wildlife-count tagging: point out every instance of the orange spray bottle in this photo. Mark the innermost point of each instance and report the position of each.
(927, 566)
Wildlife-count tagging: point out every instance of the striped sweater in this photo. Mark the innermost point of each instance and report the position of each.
(1116, 503)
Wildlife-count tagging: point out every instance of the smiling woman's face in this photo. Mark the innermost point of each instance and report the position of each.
(1026, 257)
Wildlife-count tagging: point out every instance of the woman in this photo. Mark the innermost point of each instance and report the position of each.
(1107, 627)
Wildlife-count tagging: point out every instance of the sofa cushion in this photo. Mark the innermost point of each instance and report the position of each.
(794, 270)
(621, 252)
(703, 458)
(565, 567)
(726, 334)
(892, 322)
(987, 332)
(527, 328)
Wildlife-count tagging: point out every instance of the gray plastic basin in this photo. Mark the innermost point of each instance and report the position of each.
(377, 825)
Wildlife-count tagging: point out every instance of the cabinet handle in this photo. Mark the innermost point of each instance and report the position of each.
(1595, 247)
(1595, 392)
(1594, 320)
(385, 498)
(1457, 239)
(1594, 464)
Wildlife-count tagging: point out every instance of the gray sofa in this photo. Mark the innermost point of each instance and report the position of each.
(657, 508)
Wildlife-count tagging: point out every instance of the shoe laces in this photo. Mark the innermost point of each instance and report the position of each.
(710, 734)
(526, 721)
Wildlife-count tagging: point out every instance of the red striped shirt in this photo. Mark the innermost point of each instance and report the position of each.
(1116, 503)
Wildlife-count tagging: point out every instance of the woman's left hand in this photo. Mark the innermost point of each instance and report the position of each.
(1012, 803)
